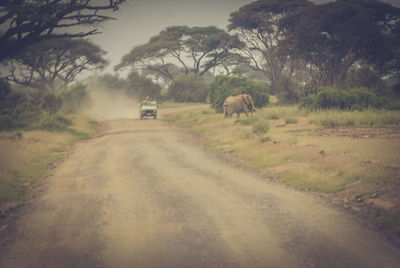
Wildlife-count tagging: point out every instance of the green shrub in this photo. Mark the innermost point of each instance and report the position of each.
(17, 110)
(291, 121)
(286, 90)
(188, 88)
(366, 78)
(74, 97)
(260, 127)
(50, 103)
(349, 99)
(55, 123)
(7, 122)
(224, 86)
(5, 89)
(140, 86)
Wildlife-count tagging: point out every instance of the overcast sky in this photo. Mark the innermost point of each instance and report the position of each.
(139, 20)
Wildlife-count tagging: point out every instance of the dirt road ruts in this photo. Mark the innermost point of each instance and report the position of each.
(140, 195)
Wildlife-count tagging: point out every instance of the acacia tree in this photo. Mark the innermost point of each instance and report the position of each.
(257, 25)
(139, 86)
(159, 78)
(53, 64)
(331, 38)
(25, 22)
(195, 49)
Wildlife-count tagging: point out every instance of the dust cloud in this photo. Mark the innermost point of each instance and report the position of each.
(106, 104)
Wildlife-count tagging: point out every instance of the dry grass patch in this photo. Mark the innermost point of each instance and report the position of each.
(301, 151)
(332, 161)
(26, 155)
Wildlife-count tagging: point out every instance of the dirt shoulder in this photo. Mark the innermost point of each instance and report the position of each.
(375, 202)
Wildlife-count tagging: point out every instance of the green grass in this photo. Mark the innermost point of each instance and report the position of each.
(367, 118)
(208, 111)
(247, 121)
(55, 123)
(278, 112)
(260, 127)
(313, 180)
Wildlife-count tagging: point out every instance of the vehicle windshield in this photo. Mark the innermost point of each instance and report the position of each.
(152, 103)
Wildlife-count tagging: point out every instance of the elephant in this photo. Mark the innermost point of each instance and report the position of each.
(238, 104)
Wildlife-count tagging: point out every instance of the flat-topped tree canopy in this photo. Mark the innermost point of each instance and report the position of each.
(25, 22)
(195, 49)
(53, 64)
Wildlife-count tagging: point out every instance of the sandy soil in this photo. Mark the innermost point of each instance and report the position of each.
(142, 195)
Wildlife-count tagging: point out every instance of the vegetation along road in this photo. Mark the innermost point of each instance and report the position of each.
(143, 194)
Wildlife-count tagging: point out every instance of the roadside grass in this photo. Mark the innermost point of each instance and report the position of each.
(25, 155)
(172, 104)
(368, 118)
(278, 112)
(304, 150)
(283, 141)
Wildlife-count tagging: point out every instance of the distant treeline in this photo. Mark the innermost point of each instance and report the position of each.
(344, 54)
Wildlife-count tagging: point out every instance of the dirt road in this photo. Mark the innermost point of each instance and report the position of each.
(142, 195)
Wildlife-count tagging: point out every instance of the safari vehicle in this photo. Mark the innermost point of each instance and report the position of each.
(148, 108)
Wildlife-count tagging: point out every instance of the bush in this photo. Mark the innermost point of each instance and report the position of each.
(50, 103)
(139, 86)
(17, 109)
(351, 99)
(291, 121)
(188, 88)
(261, 127)
(55, 123)
(366, 78)
(224, 86)
(286, 90)
(5, 89)
(75, 97)
(7, 122)
(396, 90)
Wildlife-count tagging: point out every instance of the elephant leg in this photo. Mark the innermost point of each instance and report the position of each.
(246, 111)
(230, 111)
